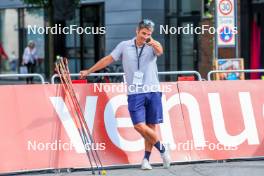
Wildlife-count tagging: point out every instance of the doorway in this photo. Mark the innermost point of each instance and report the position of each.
(84, 50)
(257, 38)
(182, 49)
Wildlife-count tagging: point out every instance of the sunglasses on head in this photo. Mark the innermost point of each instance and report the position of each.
(147, 23)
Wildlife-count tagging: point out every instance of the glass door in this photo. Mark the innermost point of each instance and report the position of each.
(84, 50)
(188, 45)
(181, 48)
(92, 45)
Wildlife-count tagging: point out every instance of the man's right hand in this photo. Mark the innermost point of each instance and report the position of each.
(84, 73)
(102, 63)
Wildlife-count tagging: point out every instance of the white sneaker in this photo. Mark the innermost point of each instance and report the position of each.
(145, 165)
(166, 159)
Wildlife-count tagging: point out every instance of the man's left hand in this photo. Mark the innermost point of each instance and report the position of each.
(151, 42)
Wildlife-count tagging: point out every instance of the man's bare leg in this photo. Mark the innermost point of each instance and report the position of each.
(147, 133)
(149, 146)
(151, 137)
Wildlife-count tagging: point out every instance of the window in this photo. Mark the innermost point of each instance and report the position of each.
(9, 37)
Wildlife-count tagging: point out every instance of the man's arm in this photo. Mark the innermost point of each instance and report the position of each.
(102, 63)
(158, 49)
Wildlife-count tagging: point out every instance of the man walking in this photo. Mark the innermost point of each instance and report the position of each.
(139, 56)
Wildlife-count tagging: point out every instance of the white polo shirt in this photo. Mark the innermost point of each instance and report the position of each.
(126, 52)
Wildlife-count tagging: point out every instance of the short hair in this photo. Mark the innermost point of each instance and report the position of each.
(31, 42)
(146, 23)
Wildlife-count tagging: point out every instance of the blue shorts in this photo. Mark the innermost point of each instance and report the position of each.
(145, 107)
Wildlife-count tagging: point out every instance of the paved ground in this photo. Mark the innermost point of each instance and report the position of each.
(237, 168)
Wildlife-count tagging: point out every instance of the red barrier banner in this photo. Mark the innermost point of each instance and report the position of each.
(202, 120)
(224, 118)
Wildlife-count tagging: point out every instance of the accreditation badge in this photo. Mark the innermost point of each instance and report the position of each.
(138, 78)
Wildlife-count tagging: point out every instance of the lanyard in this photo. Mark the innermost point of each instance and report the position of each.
(140, 53)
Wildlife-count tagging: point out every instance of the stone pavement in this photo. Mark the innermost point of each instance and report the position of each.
(234, 168)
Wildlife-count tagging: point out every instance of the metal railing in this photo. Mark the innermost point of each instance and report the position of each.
(24, 76)
(123, 74)
(92, 74)
(233, 71)
(182, 73)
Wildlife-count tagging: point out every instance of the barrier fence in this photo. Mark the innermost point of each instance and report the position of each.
(42, 80)
(90, 75)
(196, 73)
(199, 77)
(233, 71)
